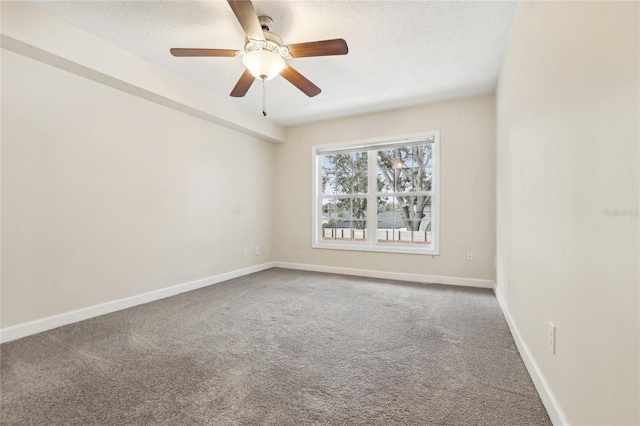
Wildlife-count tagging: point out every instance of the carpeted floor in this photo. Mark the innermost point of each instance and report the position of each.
(279, 347)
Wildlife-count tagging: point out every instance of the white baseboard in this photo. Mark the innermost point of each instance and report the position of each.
(26, 329)
(400, 276)
(44, 324)
(548, 399)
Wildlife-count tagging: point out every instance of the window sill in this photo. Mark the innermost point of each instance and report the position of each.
(380, 248)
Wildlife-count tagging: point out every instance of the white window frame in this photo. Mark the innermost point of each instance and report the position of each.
(372, 219)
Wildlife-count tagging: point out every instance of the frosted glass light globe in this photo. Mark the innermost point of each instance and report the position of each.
(263, 64)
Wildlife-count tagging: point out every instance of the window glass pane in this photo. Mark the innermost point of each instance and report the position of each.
(386, 170)
(404, 220)
(328, 174)
(419, 168)
(329, 219)
(358, 218)
(388, 220)
(344, 219)
(404, 169)
(345, 173)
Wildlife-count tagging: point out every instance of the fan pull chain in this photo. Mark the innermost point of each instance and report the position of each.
(264, 99)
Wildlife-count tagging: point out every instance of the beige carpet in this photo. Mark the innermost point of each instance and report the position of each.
(279, 347)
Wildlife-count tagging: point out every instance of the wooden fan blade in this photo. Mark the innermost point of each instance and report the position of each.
(300, 81)
(243, 85)
(246, 14)
(178, 51)
(319, 48)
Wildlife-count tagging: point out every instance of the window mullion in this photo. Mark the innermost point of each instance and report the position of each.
(372, 210)
(337, 196)
(405, 194)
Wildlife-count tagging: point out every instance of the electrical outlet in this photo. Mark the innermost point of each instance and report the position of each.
(469, 256)
(552, 338)
(257, 250)
(244, 252)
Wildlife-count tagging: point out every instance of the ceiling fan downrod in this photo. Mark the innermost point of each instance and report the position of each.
(265, 22)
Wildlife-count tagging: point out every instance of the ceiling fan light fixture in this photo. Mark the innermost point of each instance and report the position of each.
(263, 64)
(264, 53)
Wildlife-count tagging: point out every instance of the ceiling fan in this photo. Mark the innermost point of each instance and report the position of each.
(264, 53)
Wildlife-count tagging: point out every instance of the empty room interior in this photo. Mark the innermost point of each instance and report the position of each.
(320, 212)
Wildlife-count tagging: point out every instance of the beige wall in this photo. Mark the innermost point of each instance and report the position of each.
(467, 203)
(106, 195)
(568, 152)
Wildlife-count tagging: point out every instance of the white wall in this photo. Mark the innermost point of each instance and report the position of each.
(467, 203)
(106, 195)
(567, 110)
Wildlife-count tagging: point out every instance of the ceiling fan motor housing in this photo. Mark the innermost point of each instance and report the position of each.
(272, 43)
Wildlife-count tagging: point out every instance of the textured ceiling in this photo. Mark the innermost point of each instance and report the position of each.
(400, 53)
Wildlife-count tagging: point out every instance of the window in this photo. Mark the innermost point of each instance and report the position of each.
(377, 195)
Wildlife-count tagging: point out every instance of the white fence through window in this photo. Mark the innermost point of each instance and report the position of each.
(391, 236)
